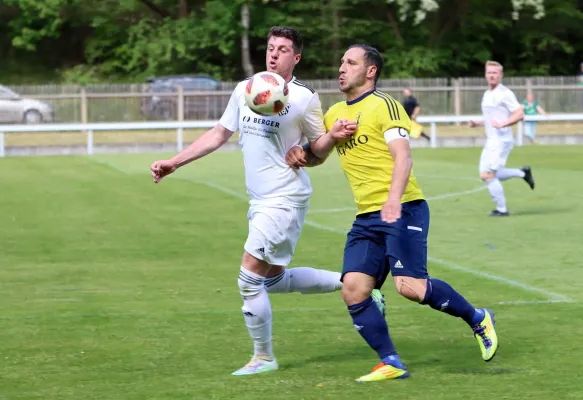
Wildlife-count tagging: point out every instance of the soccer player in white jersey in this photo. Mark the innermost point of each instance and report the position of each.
(278, 194)
(500, 110)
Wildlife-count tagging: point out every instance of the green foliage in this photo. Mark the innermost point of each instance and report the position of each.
(37, 20)
(82, 75)
(132, 39)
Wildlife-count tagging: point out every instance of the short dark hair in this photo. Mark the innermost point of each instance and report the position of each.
(288, 33)
(371, 57)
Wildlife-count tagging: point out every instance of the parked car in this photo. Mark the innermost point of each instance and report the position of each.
(195, 107)
(14, 108)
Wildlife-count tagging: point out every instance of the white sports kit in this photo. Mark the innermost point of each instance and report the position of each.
(279, 195)
(497, 105)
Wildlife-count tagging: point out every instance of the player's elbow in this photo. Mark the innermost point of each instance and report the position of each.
(313, 161)
(519, 114)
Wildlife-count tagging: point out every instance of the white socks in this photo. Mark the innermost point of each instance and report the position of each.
(507, 173)
(497, 192)
(495, 186)
(257, 308)
(256, 311)
(304, 280)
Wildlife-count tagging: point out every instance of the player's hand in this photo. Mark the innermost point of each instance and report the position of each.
(472, 124)
(391, 211)
(162, 168)
(296, 157)
(496, 124)
(342, 129)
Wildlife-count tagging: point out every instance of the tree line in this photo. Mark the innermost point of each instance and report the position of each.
(129, 40)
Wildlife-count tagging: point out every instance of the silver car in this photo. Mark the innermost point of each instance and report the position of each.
(14, 108)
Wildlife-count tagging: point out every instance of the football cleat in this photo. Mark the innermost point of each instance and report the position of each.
(257, 365)
(485, 334)
(528, 176)
(379, 300)
(384, 371)
(496, 213)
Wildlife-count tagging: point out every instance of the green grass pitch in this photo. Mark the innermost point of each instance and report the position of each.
(115, 288)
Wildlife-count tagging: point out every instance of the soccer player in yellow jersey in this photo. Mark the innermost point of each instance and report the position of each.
(390, 230)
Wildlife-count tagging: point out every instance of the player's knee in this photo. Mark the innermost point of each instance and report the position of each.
(249, 287)
(356, 287)
(411, 288)
(486, 176)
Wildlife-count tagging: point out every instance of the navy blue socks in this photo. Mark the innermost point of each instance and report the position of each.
(370, 323)
(440, 296)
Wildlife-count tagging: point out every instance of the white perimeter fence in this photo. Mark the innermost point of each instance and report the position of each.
(179, 126)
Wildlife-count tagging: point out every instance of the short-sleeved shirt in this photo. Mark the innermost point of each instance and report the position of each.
(409, 104)
(265, 142)
(530, 109)
(497, 105)
(365, 157)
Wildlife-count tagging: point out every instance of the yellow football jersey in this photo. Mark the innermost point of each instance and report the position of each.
(365, 157)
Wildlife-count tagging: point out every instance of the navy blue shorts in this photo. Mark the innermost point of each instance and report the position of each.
(375, 248)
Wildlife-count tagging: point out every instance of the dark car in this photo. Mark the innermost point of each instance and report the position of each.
(163, 104)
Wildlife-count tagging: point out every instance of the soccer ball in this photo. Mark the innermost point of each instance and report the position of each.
(266, 93)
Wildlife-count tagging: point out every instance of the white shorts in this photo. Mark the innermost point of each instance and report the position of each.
(274, 232)
(494, 155)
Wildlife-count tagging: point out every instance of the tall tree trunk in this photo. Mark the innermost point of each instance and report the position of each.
(183, 8)
(245, 51)
(334, 10)
(158, 10)
(394, 23)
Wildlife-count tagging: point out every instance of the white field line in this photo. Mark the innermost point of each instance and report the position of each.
(237, 310)
(446, 177)
(509, 282)
(455, 267)
(439, 197)
(554, 297)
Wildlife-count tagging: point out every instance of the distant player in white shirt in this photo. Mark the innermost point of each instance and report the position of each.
(500, 110)
(278, 194)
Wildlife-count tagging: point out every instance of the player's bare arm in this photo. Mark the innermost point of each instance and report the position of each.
(401, 153)
(342, 129)
(297, 156)
(305, 156)
(415, 112)
(301, 156)
(541, 110)
(517, 115)
(206, 144)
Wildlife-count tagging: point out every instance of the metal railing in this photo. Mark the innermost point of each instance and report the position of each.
(179, 126)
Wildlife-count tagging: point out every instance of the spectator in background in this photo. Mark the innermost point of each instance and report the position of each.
(412, 108)
(531, 107)
(410, 104)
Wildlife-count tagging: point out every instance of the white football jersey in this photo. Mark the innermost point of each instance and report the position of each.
(497, 105)
(266, 141)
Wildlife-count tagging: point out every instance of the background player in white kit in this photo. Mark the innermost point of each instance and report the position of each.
(278, 194)
(500, 110)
